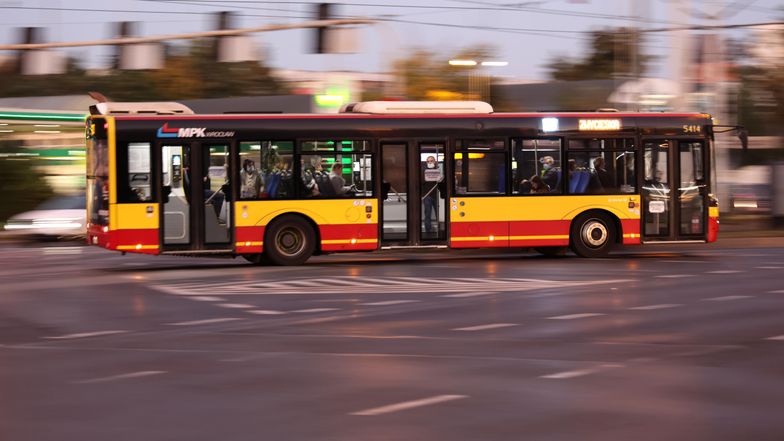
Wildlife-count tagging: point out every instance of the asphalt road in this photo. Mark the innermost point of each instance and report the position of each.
(650, 344)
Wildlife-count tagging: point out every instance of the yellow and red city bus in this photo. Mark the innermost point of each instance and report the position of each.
(379, 175)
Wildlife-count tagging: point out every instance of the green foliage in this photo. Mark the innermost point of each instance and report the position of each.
(426, 75)
(188, 74)
(611, 54)
(22, 186)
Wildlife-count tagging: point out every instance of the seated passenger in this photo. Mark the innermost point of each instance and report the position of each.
(336, 178)
(538, 185)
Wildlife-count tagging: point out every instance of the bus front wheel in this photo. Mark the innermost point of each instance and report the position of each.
(592, 234)
(289, 240)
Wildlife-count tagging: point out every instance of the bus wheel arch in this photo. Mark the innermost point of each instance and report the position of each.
(593, 233)
(290, 239)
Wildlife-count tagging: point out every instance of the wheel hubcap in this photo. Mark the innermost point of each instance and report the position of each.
(594, 233)
(290, 241)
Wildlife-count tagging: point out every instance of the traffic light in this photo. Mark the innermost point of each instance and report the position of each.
(38, 61)
(333, 39)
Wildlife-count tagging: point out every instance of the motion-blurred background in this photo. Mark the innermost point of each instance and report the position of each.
(722, 57)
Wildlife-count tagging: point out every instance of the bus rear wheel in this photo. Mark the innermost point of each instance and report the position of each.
(592, 234)
(289, 240)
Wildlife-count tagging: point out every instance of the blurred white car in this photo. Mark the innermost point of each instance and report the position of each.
(58, 217)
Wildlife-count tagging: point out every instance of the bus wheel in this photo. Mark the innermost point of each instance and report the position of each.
(592, 235)
(289, 241)
(551, 251)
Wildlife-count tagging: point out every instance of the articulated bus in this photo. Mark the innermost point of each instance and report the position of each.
(279, 188)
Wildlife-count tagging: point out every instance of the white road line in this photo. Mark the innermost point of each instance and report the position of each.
(777, 338)
(120, 377)
(205, 321)
(85, 335)
(390, 302)
(316, 310)
(575, 316)
(469, 294)
(778, 291)
(579, 372)
(408, 405)
(62, 250)
(674, 276)
(654, 307)
(769, 267)
(398, 281)
(726, 298)
(725, 272)
(235, 305)
(300, 282)
(683, 261)
(207, 298)
(266, 312)
(485, 327)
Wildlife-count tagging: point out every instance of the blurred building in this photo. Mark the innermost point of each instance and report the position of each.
(332, 89)
(50, 132)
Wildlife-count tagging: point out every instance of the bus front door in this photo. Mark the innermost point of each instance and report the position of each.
(195, 189)
(674, 191)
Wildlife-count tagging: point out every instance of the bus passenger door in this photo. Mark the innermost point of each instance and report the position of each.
(432, 192)
(674, 190)
(195, 189)
(394, 193)
(176, 195)
(413, 193)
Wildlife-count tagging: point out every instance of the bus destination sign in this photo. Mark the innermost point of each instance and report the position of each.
(599, 124)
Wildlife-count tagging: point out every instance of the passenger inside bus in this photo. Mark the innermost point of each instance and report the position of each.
(337, 181)
(251, 182)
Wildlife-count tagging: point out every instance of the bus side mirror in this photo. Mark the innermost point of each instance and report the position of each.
(166, 192)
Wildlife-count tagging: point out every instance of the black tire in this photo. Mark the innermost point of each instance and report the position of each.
(592, 234)
(551, 251)
(289, 240)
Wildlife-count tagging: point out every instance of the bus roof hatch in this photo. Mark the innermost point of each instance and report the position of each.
(148, 108)
(418, 107)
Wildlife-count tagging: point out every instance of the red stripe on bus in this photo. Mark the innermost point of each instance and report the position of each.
(348, 231)
(478, 234)
(248, 239)
(147, 239)
(630, 226)
(713, 229)
(539, 228)
(365, 235)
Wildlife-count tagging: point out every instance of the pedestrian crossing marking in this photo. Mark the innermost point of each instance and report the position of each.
(371, 285)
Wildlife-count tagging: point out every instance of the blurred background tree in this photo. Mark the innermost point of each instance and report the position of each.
(612, 53)
(190, 71)
(426, 75)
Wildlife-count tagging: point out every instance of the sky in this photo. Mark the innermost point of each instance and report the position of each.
(526, 34)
